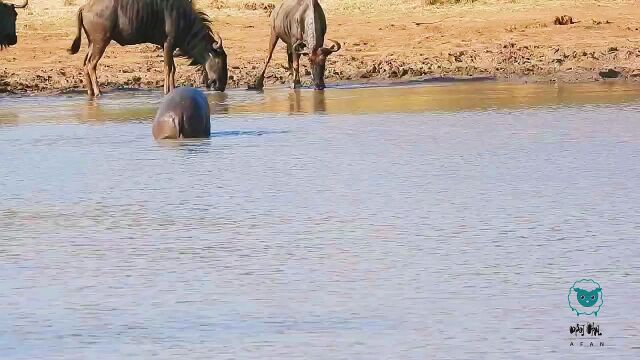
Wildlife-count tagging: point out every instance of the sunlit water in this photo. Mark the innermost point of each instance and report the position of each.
(416, 222)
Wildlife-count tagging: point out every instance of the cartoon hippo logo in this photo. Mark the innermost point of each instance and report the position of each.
(585, 297)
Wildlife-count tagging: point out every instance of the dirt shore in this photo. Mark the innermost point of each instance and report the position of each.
(508, 40)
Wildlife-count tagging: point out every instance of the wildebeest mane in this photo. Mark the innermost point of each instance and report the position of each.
(193, 32)
(195, 35)
(199, 35)
(199, 38)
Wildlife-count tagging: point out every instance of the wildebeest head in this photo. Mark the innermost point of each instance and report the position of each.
(8, 16)
(317, 58)
(215, 68)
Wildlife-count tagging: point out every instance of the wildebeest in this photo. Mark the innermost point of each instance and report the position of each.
(301, 24)
(183, 114)
(170, 24)
(8, 16)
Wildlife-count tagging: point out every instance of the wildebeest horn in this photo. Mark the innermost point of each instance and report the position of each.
(335, 47)
(218, 40)
(21, 6)
(299, 47)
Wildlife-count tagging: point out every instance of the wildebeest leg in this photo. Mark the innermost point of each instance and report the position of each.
(172, 79)
(169, 64)
(87, 77)
(290, 59)
(169, 68)
(272, 45)
(296, 71)
(97, 50)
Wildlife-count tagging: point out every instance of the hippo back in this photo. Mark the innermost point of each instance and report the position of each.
(184, 113)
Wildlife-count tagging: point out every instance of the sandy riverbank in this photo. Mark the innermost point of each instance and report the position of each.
(504, 39)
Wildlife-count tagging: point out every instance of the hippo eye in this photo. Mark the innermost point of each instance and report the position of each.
(582, 297)
(593, 297)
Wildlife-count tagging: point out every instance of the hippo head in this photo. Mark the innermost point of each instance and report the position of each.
(215, 67)
(317, 58)
(8, 24)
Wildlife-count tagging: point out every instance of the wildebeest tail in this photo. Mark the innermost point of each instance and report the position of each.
(75, 46)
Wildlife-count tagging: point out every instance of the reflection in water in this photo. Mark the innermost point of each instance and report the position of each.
(449, 97)
(410, 235)
(294, 102)
(93, 111)
(8, 117)
(319, 102)
(121, 106)
(218, 102)
(299, 103)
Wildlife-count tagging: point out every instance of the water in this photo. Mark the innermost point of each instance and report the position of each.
(416, 222)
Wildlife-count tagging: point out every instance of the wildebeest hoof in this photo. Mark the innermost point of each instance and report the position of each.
(258, 86)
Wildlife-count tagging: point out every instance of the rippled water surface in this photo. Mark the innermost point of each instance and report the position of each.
(414, 222)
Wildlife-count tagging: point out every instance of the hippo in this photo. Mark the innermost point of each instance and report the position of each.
(184, 113)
